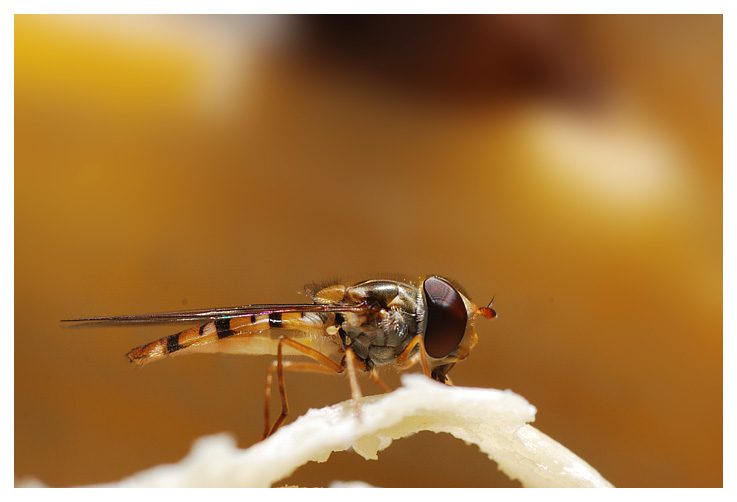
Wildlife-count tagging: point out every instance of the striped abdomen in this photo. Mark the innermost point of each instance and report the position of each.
(253, 334)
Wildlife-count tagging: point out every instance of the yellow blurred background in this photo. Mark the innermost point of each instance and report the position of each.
(571, 165)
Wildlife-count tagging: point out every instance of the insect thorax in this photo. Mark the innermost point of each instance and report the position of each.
(377, 338)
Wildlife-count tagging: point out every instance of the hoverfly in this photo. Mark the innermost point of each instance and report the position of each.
(345, 329)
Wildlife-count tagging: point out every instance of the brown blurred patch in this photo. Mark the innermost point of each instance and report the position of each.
(461, 58)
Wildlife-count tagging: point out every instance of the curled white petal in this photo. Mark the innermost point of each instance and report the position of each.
(494, 420)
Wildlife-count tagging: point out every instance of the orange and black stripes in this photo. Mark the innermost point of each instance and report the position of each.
(172, 343)
(221, 329)
(275, 320)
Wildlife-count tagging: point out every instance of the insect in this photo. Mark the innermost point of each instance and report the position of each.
(345, 329)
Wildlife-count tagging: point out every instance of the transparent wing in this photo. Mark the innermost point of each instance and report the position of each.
(220, 313)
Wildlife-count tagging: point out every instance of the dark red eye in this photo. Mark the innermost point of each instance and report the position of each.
(445, 317)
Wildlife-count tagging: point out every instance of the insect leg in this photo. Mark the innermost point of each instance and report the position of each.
(350, 364)
(324, 365)
(417, 340)
(409, 362)
(378, 381)
(291, 366)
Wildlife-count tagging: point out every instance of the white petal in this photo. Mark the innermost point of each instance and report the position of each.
(494, 420)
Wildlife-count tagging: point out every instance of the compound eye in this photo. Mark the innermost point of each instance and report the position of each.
(446, 318)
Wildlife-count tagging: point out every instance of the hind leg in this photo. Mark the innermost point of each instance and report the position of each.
(323, 364)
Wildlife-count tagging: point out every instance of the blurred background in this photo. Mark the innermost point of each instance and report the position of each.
(571, 165)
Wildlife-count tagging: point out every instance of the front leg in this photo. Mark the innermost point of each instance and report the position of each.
(402, 358)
